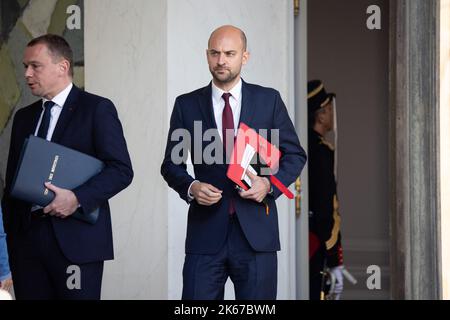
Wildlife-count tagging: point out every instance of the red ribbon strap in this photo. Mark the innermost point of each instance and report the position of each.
(277, 183)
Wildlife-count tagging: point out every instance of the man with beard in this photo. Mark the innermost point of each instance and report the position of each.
(229, 233)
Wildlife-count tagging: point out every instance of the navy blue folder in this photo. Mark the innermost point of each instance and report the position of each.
(44, 161)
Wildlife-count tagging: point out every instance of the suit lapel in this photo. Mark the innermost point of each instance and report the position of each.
(33, 120)
(247, 109)
(66, 114)
(206, 107)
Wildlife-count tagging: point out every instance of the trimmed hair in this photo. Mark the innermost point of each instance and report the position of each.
(57, 47)
(244, 40)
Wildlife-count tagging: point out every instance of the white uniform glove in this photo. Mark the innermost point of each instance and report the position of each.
(339, 285)
(4, 295)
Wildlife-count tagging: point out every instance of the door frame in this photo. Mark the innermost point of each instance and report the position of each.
(301, 124)
(414, 150)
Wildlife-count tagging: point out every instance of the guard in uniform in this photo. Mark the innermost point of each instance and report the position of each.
(325, 251)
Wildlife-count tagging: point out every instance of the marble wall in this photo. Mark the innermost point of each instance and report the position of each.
(125, 55)
(20, 21)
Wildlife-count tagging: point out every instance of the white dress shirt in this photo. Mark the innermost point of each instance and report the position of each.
(55, 112)
(218, 106)
(59, 100)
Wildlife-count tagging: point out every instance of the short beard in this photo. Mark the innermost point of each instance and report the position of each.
(231, 77)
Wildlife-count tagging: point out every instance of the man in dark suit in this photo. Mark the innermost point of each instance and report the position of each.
(52, 255)
(229, 233)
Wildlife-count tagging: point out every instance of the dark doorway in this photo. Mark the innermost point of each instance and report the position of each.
(353, 62)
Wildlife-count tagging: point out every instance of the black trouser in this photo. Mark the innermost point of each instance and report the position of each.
(254, 274)
(41, 271)
(316, 265)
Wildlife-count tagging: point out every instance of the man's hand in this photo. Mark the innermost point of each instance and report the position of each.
(64, 204)
(205, 194)
(260, 188)
(6, 284)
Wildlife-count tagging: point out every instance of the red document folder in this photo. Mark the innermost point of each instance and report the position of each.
(248, 139)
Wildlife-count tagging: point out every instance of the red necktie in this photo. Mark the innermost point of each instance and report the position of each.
(227, 121)
(227, 125)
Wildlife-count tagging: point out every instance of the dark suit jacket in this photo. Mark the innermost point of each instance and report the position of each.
(324, 219)
(262, 108)
(89, 124)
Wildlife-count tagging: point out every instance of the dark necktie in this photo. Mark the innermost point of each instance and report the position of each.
(227, 121)
(45, 122)
(227, 124)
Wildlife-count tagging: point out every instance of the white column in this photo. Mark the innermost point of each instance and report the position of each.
(445, 144)
(415, 219)
(126, 61)
(301, 122)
